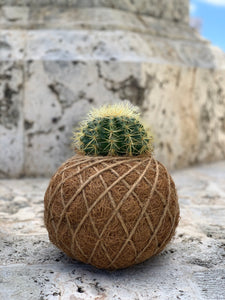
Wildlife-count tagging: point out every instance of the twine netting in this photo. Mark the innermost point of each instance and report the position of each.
(111, 212)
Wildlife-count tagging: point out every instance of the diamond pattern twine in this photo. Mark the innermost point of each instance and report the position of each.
(84, 187)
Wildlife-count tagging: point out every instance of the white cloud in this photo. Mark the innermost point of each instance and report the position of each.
(215, 2)
(193, 8)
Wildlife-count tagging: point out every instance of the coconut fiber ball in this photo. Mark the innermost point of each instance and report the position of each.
(111, 212)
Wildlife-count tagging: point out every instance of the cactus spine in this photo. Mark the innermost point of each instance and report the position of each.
(114, 130)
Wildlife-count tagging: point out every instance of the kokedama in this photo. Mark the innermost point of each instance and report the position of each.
(113, 204)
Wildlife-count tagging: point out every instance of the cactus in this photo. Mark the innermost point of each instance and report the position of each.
(114, 130)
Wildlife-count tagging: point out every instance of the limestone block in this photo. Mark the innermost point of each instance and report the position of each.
(211, 118)
(11, 118)
(11, 104)
(99, 18)
(118, 46)
(53, 111)
(78, 71)
(175, 10)
(69, 90)
(188, 128)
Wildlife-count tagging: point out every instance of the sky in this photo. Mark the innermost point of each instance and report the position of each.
(212, 15)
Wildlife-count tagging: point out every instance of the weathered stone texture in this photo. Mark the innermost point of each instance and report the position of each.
(59, 63)
(191, 267)
(55, 110)
(11, 118)
(183, 116)
(175, 10)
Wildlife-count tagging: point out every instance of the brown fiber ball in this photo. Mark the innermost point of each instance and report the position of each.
(111, 212)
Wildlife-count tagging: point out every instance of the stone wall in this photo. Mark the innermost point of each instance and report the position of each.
(176, 10)
(57, 62)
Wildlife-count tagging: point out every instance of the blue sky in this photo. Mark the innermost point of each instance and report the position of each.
(212, 14)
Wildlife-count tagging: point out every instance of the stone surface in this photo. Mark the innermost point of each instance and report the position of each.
(175, 10)
(191, 267)
(57, 62)
(11, 117)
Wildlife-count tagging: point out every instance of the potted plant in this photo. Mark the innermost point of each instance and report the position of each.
(112, 204)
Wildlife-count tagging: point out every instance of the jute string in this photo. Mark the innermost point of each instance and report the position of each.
(81, 163)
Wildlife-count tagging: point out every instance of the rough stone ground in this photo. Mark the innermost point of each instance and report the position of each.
(191, 267)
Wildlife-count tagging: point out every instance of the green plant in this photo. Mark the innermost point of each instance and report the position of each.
(114, 130)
